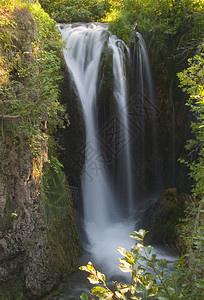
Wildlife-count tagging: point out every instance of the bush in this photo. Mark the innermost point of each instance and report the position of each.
(31, 64)
(69, 11)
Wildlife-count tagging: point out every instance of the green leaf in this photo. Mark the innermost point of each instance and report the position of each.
(14, 215)
(139, 246)
(101, 276)
(161, 263)
(140, 270)
(142, 257)
(93, 279)
(123, 288)
(147, 277)
(132, 289)
(88, 268)
(84, 297)
(141, 280)
(98, 289)
(153, 258)
(125, 266)
(138, 235)
(91, 267)
(149, 249)
(120, 295)
(101, 292)
(122, 251)
(152, 292)
(142, 232)
(200, 284)
(139, 289)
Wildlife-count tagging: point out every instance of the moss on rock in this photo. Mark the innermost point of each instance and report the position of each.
(161, 218)
(39, 243)
(62, 232)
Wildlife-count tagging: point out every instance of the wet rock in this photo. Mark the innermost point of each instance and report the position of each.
(35, 251)
(161, 218)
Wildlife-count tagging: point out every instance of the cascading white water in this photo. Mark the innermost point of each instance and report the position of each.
(106, 224)
(102, 218)
(143, 67)
(141, 87)
(83, 53)
(120, 92)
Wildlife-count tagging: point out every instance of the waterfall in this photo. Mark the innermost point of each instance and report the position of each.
(92, 54)
(142, 95)
(121, 95)
(82, 55)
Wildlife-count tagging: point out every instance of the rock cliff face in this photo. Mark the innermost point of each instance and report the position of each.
(31, 260)
(39, 243)
(162, 217)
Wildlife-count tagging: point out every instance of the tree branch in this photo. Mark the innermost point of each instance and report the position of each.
(9, 117)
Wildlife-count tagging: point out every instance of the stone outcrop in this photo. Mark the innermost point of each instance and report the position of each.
(34, 252)
(161, 218)
(39, 243)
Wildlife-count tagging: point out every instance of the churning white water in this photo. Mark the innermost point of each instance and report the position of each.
(103, 226)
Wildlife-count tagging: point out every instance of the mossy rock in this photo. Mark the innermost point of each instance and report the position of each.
(106, 103)
(12, 290)
(161, 218)
(62, 232)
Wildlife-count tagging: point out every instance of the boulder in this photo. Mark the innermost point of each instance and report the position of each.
(161, 218)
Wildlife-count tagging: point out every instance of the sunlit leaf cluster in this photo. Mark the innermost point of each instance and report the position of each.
(67, 11)
(159, 21)
(147, 274)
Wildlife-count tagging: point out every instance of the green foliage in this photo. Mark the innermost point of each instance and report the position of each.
(192, 82)
(31, 66)
(83, 296)
(159, 21)
(149, 277)
(187, 279)
(190, 266)
(147, 274)
(67, 11)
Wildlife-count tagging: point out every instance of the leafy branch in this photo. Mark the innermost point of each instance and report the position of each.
(97, 277)
(147, 274)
